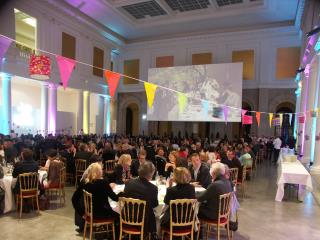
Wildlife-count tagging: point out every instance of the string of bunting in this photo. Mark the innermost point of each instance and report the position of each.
(66, 67)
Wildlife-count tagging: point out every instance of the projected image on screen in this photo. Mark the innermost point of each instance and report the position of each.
(221, 84)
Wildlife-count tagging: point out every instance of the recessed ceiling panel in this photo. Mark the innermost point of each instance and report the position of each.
(143, 9)
(187, 5)
(222, 3)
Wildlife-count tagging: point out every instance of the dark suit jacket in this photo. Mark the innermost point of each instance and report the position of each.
(117, 175)
(180, 191)
(134, 167)
(234, 163)
(203, 177)
(140, 188)
(23, 167)
(209, 199)
(83, 155)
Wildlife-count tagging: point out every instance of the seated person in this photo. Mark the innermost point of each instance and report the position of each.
(142, 188)
(137, 162)
(199, 171)
(27, 165)
(93, 159)
(209, 207)
(245, 158)
(183, 190)
(53, 179)
(52, 155)
(171, 165)
(121, 172)
(160, 161)
(68, 153)
(233, 162)
(83, 153)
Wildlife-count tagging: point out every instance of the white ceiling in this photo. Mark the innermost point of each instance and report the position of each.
(247, 14)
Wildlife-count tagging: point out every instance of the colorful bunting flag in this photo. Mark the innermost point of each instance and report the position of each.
(4, 45)
(247, 120)
(205, 107)
(66, 66)
(313, 113)
(225, 113)
(182, 100)
(290, 118)
(243, 112)
(112, 80)
(302, 118)
(270, 119)
(258, 115)
(150, 92)
(280, 119)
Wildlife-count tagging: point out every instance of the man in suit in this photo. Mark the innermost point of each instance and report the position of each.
(199, 171)
(137, 162)
(209, 199)
(83, 153)
(142, 188)
(27, 165)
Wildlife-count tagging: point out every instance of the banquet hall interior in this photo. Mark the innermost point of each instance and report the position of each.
(118, 116)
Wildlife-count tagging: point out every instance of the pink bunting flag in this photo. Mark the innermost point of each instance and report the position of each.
(247, 120)
(4, 45)
(112, 80)
(243, 112)
(225, 113)
(66, 66)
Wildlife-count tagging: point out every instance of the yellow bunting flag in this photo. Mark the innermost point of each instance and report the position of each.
(182, 100)
(270, 118)
(150, 92)
(280, 118)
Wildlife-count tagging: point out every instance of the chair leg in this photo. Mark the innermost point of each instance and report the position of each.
(228, 232)
(207, 234)
(91, 228)
(21, 201)
(85, 230)
(113, 232)
(218, 232)
(37, 202)
(199, 229)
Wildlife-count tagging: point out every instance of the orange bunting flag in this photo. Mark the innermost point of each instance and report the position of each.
(270, 119)
(280, 118)
(112, 80)
(258, 118)
(150, 92)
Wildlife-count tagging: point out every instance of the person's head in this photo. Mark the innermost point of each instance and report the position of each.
(96, 159)
(160, 151)
(52, 154)
(146, 170)
(198, 145)
(83, 147)
(195, 159)
(203, 157)
(181, 175)
(27, 155)
(125, 160)
(173, 157)
(217, 169)
(230, 154)
(94, 172)
(92, 147)
(142, 156)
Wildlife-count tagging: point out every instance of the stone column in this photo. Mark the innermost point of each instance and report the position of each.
(80, 112)
(6, 114)
(44, 108)
(86, 111)
(311, 75)
(52, 108)
(107, 116)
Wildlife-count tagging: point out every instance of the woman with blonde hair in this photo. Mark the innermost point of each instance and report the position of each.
(121, 172)
(182, 190)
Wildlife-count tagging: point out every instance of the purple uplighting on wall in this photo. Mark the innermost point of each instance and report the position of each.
(311, 42)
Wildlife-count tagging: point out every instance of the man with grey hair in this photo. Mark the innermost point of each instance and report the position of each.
(142, 188)
(209, 207)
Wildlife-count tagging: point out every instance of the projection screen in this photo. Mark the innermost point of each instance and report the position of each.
(221, 84)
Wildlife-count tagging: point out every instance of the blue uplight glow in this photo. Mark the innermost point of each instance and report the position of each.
(298, 77)
(108, 116)
(317, 45)
(6, 104)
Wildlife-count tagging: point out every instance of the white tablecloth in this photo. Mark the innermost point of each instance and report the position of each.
(294, 173)
(8, 183)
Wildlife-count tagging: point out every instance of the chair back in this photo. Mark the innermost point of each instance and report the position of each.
(29, 183)
(87, 197)
(244, 174)
(224, 206)
(132, 212)
(110, 165)
(63, 174)
(81, 165)
(182, 213)
(234, 175)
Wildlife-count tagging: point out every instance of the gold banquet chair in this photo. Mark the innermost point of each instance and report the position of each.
(110, 165)
(60, 188)
(88, 216)
(132, 215)
(234, 176)
(29, 183)
(182, 218)
(81, 166)
(242, 182)
(223, 217)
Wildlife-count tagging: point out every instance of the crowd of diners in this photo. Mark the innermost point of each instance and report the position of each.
(188, 162)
